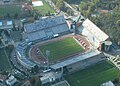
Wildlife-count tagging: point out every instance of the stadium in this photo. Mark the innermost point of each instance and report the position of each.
(51, 43)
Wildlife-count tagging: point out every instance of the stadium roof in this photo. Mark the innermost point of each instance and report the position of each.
(44, 24)
(45, 28)
(100, 35)
(75, 59)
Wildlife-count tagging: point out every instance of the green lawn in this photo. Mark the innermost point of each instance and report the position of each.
(61, 48)
(4, 61)
(43, 10)
(93, 76)
(12, 10)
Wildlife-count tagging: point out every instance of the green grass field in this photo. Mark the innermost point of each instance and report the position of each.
(4, 61)
(12, 10)
(93, 76)
(43, 10)
(61, 48)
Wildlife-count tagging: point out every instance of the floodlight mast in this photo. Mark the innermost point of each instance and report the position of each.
(47, 57)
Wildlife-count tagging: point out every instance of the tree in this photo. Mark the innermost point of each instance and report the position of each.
(83, 6)
(118, 23)
(35, 69)
(70, 12)
(16, 15)
(8, 15)
(60, 4)
(48, 14)
(35, 81)
(32, 81)
(109, 23)
(38, 82)
(6, 33)
(88, 12)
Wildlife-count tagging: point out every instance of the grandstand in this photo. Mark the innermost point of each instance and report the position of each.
(93, 33)
(79, 61)
(21, 56)
(45, 29)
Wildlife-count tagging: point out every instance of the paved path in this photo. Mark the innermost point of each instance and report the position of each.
(114, 59)
(7, 58)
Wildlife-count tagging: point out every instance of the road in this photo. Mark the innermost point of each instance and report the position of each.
(74, 10)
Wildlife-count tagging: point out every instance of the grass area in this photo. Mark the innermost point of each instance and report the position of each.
(61, 48)
(12, 10)
(62, 83)
(43, 10)
(4, 61)
(94, 76)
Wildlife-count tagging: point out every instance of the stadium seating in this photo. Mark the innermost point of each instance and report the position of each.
(21, 56)
(45, 28)
(93, 33)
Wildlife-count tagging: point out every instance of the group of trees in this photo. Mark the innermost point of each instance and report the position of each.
(35, 69)
(86, 8)
(59, 4)
(108, 22)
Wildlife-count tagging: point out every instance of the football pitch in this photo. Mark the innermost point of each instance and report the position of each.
(43, 10)
(12, 10)
(94, 75)
(4, 61)
(61, 48)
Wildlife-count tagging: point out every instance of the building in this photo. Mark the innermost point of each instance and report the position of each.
(109, 83)
(94, 34)
(1, 84)
(27, 83)
(11, 80)
(2, 77)
(6, 24)
(50, 77)
(6, 40)
(37, 3)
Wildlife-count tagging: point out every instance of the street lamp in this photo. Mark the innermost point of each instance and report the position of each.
(47, 57)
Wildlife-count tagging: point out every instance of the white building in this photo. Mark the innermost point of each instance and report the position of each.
(50, 77)
(37, 3)
(11, 80)
(109, 83)
(94, 34)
